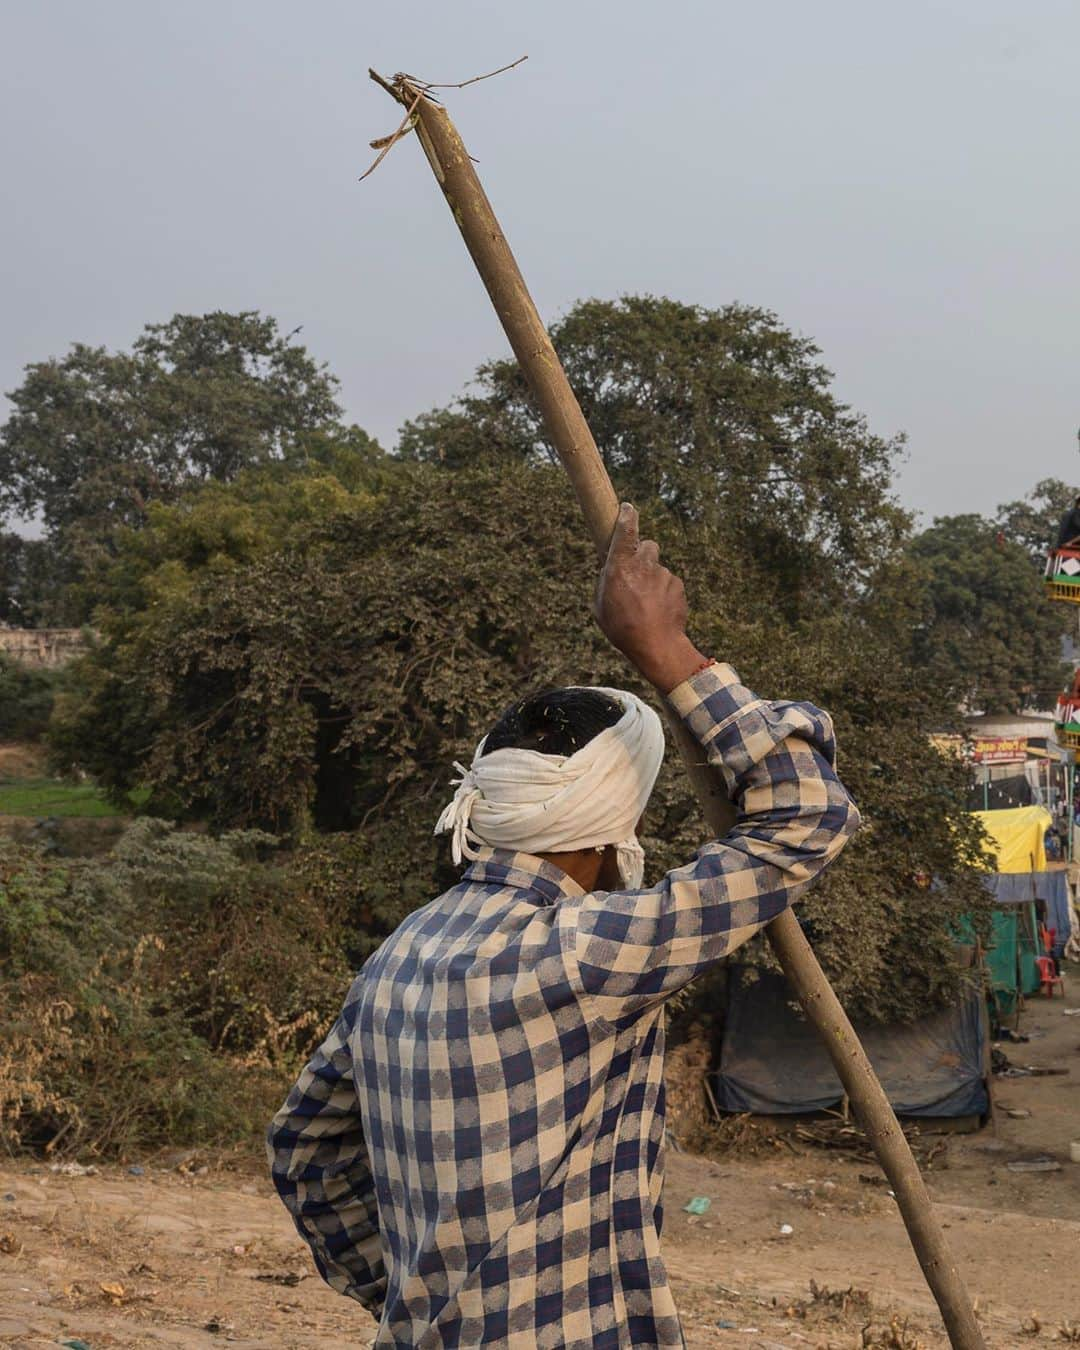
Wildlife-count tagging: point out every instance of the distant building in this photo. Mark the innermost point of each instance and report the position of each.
(1028, 725)
(41, 648)
(1014, 759)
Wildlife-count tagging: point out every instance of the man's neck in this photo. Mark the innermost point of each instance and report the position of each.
(583, 865)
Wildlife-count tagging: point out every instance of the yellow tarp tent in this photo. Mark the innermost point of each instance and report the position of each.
(1016, 836)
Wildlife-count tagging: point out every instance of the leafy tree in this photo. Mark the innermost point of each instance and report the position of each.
(319, 653)
(1033, 521)
(96, 436)
(722, 415)
(987, 636)
(33, 582)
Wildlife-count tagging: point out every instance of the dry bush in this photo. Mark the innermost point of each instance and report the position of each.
(25, 1054)
(684, 1074)
(22, 760)
(167, 992)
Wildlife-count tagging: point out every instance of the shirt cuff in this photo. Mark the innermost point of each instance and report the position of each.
(707, 701)
(737, 729)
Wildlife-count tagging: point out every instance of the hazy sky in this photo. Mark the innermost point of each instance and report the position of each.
(900, 182)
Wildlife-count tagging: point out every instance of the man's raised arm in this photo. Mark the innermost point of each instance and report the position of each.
(777, 760)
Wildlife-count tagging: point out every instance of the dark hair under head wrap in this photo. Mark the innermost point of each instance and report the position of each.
(553, 722)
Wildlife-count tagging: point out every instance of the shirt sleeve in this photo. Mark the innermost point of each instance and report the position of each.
(319, 1165)
(635, 948)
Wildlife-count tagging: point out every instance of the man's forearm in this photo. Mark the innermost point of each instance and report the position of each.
(320, 1167)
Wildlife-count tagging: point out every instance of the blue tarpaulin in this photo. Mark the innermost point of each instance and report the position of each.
(1016, 888)
(772, 1061)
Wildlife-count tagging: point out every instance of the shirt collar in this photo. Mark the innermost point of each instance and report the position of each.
(522, 871)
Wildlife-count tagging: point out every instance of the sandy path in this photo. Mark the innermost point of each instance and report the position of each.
(168, 1258)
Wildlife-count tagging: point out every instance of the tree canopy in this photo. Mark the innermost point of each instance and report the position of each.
(315, 654)
(96, 436)
(1033, 521)
(988, 636)
(722, 415)
(34, 584)
(300, 633)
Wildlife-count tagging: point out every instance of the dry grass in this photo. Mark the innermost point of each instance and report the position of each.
(897, 1335)
(20, 761)
(684, 1073)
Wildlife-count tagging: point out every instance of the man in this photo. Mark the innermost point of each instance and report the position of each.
(476, 1151)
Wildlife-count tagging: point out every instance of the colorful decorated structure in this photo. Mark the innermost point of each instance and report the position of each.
(1062, 576)
(1067, 716)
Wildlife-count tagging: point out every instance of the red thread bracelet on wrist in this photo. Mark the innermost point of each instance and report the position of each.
(709, 660)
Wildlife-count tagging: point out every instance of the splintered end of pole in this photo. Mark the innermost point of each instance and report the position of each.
(396, 86)
(409, 92)
(401, 89)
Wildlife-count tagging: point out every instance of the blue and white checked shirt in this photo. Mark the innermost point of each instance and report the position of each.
(475, 1151)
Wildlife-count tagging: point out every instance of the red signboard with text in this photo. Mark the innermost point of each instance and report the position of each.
(999, 749)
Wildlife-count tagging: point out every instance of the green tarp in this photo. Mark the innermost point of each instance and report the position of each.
(1010, 959)
(1014, 942)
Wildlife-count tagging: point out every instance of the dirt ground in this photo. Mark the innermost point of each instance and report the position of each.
(194, 1251)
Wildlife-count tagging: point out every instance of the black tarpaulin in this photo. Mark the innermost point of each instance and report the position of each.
(773, 1061)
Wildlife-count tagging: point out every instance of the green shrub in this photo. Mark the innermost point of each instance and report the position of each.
(26, 700)
(165, 993)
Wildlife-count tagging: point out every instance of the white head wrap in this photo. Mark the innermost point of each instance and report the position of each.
(537, 803)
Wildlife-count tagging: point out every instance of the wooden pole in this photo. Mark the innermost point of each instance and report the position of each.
(573, 441)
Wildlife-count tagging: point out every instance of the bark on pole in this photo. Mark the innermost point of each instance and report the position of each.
(569, 433)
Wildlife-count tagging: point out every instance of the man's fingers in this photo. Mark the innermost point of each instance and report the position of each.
(624, 538)
(649, 551)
